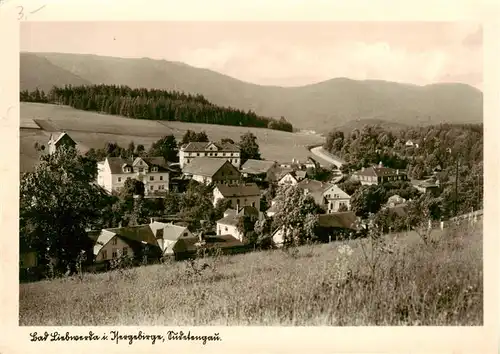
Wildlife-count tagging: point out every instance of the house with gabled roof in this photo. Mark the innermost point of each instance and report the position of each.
(240, 195)
(262, 169)
(154, 172)
(61, 139)
(168, 234)
(212, 150)
(228, 225)
(291, 177)
(378, 175)
(208, 170)
(132, 241)
(328, 196)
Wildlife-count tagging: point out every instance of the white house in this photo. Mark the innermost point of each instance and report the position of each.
(228, 225)
(167, 235)
(335, 198)
(192, 150)
(240, 195)
(292, 177)
(152, 171)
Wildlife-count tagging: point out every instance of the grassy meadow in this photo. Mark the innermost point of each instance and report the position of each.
(93, 130)
(413, 284)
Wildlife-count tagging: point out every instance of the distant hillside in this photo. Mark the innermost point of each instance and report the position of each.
(359, 123)
(40, 72)
(319, 107)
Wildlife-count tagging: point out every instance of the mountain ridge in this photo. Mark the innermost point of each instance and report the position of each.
(317, 106)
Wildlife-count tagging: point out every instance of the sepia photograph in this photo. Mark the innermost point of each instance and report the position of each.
(251, 173)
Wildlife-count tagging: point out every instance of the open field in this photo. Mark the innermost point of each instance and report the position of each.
(417, 284)
(93, 130)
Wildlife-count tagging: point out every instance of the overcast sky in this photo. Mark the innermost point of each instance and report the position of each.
(282, 53)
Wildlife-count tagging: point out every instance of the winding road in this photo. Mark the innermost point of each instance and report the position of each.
(325, 155)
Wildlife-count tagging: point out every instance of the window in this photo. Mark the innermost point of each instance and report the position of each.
(226, 228)
(152, 187)
(151, 178)
(119, 179)
(125, 251)
(141, 169)
(115, 241)
(154, 169)
(104, 254)
(197, 154)
(185, 234)
(161, 178)
(253, 204)
(187, 160)
(114, 253)
(237, 201)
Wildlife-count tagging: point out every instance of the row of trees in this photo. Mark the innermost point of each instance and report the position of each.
(168, 147)
(151, 104)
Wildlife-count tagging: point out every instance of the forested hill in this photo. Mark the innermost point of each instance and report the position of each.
(318, 107)
(151, 104)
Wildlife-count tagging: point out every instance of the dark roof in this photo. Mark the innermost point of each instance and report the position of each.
(202, 146)
(140, 233)
(257, 166)
(344, 220)
(222, 241)
(116, 163)
(205, 166)
(239, 190)
(186, 245)
(246, 210)
(376, 171)
(60, 137)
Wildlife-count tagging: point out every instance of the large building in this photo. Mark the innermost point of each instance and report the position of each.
(229, 152)
(152, 171)
(379, 175)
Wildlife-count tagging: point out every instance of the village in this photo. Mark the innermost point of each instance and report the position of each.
(242, 186)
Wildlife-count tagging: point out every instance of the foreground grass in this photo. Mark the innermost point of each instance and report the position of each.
(417, 284)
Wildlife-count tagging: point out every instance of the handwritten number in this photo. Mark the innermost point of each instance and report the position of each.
(20, 13)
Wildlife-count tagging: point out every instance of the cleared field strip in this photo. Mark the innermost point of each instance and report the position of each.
(93, 130)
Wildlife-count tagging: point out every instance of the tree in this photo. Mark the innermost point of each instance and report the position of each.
(367, 200)
(171, 203)
(226, 141)
(140, 150)
(220, 207)
(245, 226)
(342, 208)
(296, 215)
(165, 147)
(191, 136)
(132, 187)
(131, 148)
(58, 202)
(249, 147)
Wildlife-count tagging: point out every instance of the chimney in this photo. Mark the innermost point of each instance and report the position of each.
(362, 168)
(151, 220)
(380, 164)
(397, 171)
(120, 224)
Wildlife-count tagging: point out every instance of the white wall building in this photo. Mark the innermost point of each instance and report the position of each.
(152, 171)
(190, 151)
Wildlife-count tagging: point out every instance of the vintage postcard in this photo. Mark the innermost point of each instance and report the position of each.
(241, 185)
